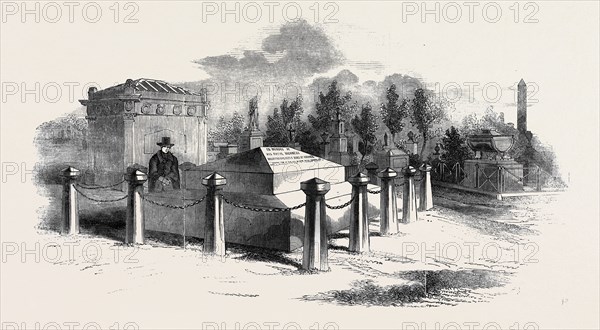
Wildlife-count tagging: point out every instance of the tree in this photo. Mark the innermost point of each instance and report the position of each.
(227, 130)
(455, 147)
(328, 105)
(427, 111)
(393, 113)
(236, 127)
(216, 134)
(365, 126)
(291, 113)
(284, 118)
(276, 134)
(309, 142)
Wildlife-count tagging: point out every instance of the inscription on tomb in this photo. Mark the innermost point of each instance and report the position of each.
(284, 156)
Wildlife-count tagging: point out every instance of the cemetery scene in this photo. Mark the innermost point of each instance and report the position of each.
(339, 193)
(351, 198)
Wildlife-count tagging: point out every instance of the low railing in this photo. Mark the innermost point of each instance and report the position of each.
(315, 249)
(499, 178)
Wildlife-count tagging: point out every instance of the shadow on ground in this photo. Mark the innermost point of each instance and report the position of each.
(422, 288)
(263, 255)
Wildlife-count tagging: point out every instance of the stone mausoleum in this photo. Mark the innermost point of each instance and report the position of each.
(127, 120)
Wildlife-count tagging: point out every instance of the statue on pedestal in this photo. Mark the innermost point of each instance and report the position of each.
(252, 137)
(253, 114)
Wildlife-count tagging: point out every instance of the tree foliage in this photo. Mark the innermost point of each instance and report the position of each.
(328, 105)
(489, 120)
(365, 125)
(455, 147)
(394, 112)
(227, 130)
(426, 111)
(309, 142)
(63, 129)
(290, 113)
(284, 118)
(276, 134)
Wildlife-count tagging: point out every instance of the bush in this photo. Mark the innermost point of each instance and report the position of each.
(455, 147)
(415, 160)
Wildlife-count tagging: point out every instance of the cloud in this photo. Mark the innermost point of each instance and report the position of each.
(302, 50)
(298, 58)
(281, 68)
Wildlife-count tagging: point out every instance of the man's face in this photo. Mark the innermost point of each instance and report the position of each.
(165, 149)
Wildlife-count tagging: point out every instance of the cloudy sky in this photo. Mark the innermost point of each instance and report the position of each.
(472, 55)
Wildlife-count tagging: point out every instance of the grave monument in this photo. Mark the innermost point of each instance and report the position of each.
(390, 156)
(262, 178)
(492, 170)
(127, 120)
(252, 137)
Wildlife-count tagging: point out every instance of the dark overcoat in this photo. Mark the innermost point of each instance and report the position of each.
(165, 165)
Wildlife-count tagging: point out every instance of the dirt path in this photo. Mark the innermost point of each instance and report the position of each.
(457, 254)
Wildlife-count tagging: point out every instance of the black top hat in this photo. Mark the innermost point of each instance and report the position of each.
(166, 142)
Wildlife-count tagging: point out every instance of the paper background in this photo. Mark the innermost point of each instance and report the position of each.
(560, 54)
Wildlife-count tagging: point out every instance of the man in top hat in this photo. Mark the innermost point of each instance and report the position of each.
(163, 171)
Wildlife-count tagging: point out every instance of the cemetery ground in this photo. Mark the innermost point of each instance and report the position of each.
(468, 249)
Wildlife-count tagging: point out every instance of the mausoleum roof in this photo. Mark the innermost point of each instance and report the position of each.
(150, 85)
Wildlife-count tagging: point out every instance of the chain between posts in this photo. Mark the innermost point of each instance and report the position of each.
(374, 192)
(100, 187)
(261, 209)
(98, 199)
(177, 207)
(340, 206)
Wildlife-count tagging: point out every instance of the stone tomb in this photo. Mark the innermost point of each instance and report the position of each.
(127, 120)
(492, 171)
(265, 177)
(484, 174)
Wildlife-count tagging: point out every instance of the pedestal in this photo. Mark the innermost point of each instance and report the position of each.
(251, 139)
(493, 175)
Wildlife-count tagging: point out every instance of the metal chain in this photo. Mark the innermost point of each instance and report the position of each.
(100, 187)
(177, 207)
(99, 200)
(375, 192)
(260, 209)
(340, 206)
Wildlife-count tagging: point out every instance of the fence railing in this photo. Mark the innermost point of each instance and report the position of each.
(315, 235)
(498, 178)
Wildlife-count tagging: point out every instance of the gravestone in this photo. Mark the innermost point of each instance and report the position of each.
(390, 156)
(338, 152)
